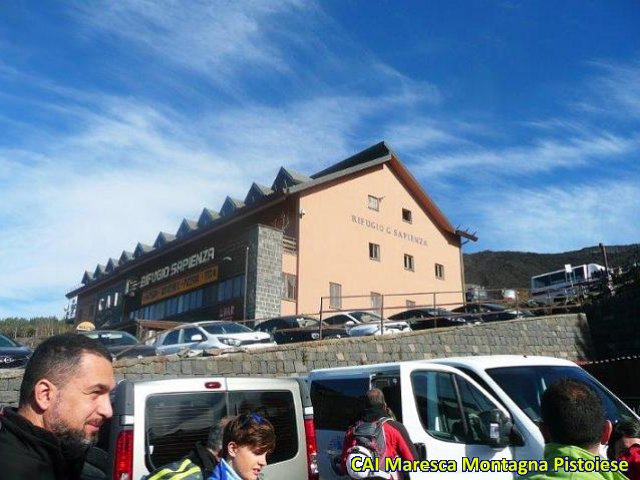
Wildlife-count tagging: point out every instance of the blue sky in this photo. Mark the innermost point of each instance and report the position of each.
(118, 119)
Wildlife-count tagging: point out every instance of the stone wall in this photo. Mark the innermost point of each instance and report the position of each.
(265, 272)
(564, 336)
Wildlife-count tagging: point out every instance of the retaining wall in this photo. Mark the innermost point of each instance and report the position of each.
(563, 336)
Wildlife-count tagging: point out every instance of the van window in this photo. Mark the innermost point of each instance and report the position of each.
(437, 405)
(347, 393)
(525, 385)
(176, 422)
(278, 407)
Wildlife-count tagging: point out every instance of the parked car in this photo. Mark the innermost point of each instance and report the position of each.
(199, 336)
(360, 323)
(159, 421)
(430, 317)
(298, 328)
(492, 312)
(12, 353)
(121, 344)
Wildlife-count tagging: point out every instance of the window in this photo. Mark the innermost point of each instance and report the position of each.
(374, 203)
(288, 286)
(406, 215)
(116, 299)
(374, 251)
(376, 300)
(328, 392)
(335, 295)
(410, 304)
(408, 262)
(439, 271)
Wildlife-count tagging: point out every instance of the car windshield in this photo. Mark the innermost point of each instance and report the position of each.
(7, 342)
(525, 385)
(365, 317)
(113, 339)
(227, 327)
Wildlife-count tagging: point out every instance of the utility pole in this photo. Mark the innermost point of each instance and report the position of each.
(608, 282)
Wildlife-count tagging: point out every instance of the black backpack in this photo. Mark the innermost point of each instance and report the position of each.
(370, 437)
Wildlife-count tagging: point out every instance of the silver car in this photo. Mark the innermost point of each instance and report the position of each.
(361, 323)
(196, 337)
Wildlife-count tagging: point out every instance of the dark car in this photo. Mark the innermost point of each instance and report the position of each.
(492, 312)
(121, 344)
(430, 317)
(298, 328)
(13, 354)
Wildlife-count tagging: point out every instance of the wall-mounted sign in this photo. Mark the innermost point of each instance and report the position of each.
(178, 267)
(179, 285)
(382, 228)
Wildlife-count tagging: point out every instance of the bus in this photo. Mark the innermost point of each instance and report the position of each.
(567, 284)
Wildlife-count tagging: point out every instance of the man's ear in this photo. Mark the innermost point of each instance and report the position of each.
(607, 429)
(44, 394)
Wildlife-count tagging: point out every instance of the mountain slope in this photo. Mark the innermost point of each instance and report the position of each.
(515, 269)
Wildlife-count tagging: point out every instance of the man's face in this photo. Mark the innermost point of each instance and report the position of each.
(82, 402)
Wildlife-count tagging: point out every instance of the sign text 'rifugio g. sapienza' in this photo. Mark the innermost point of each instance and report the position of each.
(175, 268)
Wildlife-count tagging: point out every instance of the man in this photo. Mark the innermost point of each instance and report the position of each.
(574, 425)
(246, 442)
(375, 416)
(64, 399)
(200, 462)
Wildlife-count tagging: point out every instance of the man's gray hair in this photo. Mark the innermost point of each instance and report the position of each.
(375, 398)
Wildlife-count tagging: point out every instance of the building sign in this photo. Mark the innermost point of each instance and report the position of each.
(382, 228)
(176, 268)
(182, 284)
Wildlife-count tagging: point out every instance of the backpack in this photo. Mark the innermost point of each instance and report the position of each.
(369, 442)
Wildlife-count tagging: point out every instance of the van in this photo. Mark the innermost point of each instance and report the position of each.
(159, 421)
(484, 407)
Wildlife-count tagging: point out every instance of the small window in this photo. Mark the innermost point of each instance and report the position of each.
(410, 304)
(116, 299)
(288, 286)
(335, 295)
(374, 203)
(408, 262)
(374, 251)
(406, 215)
(439, 271)
(376, 300)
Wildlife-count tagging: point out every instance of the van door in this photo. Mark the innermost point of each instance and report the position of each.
(445, 414)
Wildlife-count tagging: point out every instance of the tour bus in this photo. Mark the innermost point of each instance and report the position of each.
(465, 412)
(566, 284)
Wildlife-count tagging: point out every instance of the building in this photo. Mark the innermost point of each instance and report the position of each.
(344, 238)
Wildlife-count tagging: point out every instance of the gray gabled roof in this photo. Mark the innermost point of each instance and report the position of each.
(111, 265)
(186, 227)
(207, 217)
(163, 238)
(230, 205)
(87, 277)
(288, 178)
(99, 271)
(141, 249)
(125, 257)
(256, 192)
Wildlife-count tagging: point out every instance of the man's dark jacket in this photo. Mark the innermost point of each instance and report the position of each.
(28, 452)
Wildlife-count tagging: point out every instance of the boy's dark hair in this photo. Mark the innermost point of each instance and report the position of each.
(56, 360)
(628, 427)
(573, 413)
(249, 430)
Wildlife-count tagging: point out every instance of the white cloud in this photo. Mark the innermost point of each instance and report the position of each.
(556, 219)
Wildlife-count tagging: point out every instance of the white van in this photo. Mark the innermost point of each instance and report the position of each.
(160, 421)
(453, 408)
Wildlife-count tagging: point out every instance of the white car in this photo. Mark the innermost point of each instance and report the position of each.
(199, 336)
(360, 323)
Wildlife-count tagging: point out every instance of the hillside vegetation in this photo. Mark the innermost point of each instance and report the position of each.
(515, 269)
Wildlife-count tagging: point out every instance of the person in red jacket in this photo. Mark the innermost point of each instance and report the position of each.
(625, 445)
(396, 438)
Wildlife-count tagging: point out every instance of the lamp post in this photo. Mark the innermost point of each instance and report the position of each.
(244, 289)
